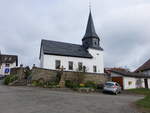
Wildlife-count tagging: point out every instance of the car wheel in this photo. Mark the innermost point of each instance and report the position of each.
(116, 92)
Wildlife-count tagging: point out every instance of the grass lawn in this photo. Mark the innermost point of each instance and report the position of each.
(143, 103)
(141, 91)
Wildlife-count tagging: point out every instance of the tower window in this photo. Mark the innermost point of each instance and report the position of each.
(95, 43)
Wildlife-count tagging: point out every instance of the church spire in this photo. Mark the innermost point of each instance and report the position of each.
(90, 30)
(91, 39)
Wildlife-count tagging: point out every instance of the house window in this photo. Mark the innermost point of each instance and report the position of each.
(7, 65)
(94, 69)
(80, 66)
(70, 65)
(57, 64)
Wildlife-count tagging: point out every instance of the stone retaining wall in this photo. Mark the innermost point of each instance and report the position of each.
(44, 74)
(97, 78)
(50, 75)
(19, 71)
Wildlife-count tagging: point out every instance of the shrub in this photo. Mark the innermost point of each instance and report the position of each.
(82, 85)
(34, 83)
(58, 76)
(27, 72)
(52, 84)
(10, 79)
(90, 84)
(37, 83)
(100, 86)
(45, 84)
(71, 84)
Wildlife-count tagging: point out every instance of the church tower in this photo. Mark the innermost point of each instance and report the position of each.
(91, 39)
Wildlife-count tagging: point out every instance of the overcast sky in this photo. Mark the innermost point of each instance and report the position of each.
(122, 25)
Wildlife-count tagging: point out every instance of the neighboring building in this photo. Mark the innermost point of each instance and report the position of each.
(7, 62)
(130, 80)
(145, 68)
(86, 57)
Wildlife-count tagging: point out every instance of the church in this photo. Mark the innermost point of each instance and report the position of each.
(87, 57)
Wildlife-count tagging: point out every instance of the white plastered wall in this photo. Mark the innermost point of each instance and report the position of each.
(131, 82)
(48, 61)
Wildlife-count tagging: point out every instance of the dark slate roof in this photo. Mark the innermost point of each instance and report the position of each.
(90, 30)
(8, 59)
(130, 74)
(145, 66)
(64, 49)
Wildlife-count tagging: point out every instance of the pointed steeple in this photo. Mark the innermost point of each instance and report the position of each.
(91, 39)
(90, 30)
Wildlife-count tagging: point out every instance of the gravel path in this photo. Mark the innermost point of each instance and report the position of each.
(38, 100)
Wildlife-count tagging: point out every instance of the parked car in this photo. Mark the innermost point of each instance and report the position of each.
(112, 87)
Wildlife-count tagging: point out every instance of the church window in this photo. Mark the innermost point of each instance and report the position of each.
(70, 65)
(84, 68)
(94, 69)
(80, 66)
(57, 64)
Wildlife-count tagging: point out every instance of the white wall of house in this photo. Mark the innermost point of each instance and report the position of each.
(149, 83)
(48, 61)
(131, 82)
(3, 67)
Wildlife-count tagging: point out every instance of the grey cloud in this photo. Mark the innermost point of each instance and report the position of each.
(123, 27)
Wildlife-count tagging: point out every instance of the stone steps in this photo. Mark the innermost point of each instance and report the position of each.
(19, 83)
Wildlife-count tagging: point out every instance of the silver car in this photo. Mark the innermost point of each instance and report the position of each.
(113, 87)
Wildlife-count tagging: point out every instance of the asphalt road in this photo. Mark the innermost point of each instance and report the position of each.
(38, 100)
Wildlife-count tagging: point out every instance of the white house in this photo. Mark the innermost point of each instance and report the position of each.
(6, 63)
(86, 57)
(130, 80)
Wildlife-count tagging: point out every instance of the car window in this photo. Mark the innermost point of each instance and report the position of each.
(117, 84)
(109, 84)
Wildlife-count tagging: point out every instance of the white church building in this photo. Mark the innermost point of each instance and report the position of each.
(72, 57)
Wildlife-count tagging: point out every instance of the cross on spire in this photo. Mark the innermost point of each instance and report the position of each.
(90, 5)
